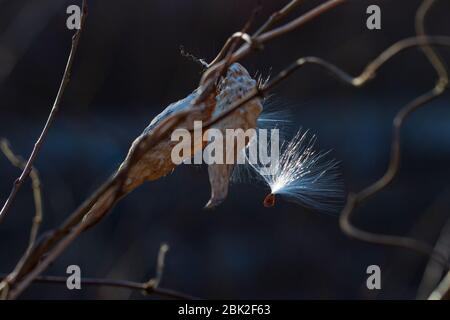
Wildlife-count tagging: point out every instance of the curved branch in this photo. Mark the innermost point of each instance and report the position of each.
(355, 199)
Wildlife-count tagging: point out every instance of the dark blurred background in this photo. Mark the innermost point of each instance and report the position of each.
(129, 68)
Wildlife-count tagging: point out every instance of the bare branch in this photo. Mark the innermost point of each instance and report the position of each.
(147, 288)
(434, 271)
(277, 16)
(94, 282)
(159, 266)
(368, 73)
(38, 144)
(36, 187)
(442, 292)
(229, 46)
(256, 42)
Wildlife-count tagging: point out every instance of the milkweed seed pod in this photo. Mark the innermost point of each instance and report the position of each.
(157, 162)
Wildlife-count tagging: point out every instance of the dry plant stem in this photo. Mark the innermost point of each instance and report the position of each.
(38, 144)
(163, 292)
(160, 265)
(275, 33)
(434, 271)
(355, 199)
(36, 187)
(368, 73)
(226, 48)
(274, 18)
(37, 220)
(90, 213)
(442, 291)
(277, 16)
(149, 287)
(300, 21)
(211, 75)
(231, 42)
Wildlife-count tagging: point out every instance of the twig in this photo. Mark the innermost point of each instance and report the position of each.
(442, 292)
(38, 144)
(228, 48)
(36, 187)
(277, 16)
(132, 285)
(245, 49)
(142, 286)
(368, 73)
(37, 196)
(159, 266)
(148, 287)
(434, 271)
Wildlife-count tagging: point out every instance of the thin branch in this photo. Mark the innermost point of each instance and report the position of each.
(97, 206)
(277, 16)
(434, 271)
(132, 285)
(227, 48)
(202, 63)
(430, 53)
(159, 266)
(274, 18)
(442, 292)
(147, 288)
(39, 142)
(368, 73)
(258, 41)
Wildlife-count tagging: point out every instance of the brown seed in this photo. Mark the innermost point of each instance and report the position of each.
(269, 200)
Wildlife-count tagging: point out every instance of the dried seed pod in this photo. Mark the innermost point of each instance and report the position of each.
(157, 162)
